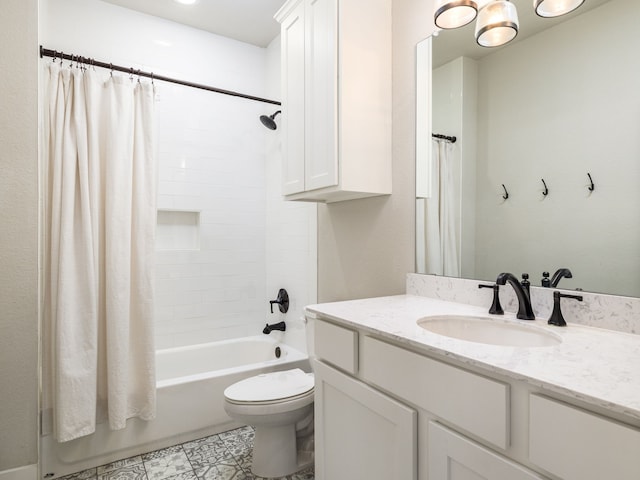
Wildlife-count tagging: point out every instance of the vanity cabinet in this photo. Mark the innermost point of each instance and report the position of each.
(336, 99)
(413, 415)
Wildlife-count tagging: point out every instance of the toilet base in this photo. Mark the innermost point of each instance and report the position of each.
(280, 450)
(274, 451)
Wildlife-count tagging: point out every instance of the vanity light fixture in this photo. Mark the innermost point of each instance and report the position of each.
(496, 20)
(455, 13)
(497, 23)
(555, 8)
(186, 2)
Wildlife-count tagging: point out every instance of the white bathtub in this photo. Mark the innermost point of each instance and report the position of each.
(190, 402)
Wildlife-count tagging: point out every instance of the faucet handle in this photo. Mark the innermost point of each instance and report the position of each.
(282, 300)
(557, 318)
(496, 308)
(526, 284)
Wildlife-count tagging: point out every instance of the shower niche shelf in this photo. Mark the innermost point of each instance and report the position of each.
(178, 230)
(336, 99)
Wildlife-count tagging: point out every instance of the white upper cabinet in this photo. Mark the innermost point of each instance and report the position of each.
(336, 99)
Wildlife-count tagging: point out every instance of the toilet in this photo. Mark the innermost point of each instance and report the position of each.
(279, 405)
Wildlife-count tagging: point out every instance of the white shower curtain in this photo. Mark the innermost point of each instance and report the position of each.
(100, 219)
(441, 237)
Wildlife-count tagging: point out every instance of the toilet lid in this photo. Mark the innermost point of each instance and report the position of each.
(271, 386)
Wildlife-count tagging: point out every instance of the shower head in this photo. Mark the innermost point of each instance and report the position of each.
(269, 121)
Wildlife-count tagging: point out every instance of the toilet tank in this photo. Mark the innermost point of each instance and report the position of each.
(309, 324)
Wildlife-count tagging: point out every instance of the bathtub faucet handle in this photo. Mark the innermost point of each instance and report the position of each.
(281, 326)
(282, 300)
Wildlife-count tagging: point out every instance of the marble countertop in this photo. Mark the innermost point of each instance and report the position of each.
(598, 366)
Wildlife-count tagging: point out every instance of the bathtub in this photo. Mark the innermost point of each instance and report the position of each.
(190, 402)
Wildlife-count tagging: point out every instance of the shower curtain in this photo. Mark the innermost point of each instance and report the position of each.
(441, 237)
(100, 213)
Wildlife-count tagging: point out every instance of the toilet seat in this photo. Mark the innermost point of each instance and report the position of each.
(271, 388)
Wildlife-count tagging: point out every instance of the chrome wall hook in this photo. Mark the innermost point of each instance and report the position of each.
(591, 187)
(545, 192)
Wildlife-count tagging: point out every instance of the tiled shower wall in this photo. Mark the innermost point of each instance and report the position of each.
(218, 165)
(211, 151)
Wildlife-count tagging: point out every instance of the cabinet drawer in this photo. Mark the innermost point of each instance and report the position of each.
(336, 345)
(575, 444)
(474, 403)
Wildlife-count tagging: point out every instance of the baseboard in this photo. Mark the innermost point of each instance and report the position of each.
(28, 472)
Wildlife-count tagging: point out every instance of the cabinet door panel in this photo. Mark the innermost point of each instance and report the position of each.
(361, 434)
(454, 457)
(293, 42)
(320, 97)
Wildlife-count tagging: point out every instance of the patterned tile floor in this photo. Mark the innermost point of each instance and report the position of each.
(225, 456)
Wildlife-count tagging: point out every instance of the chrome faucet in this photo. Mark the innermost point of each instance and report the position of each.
(525, 311)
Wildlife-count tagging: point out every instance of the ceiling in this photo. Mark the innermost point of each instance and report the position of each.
(249, 21)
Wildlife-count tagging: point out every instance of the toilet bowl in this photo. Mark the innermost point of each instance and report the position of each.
(279, 406)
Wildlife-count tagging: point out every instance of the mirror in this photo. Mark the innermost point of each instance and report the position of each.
(543, 116)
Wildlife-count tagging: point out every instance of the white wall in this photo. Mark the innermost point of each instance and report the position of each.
(19, 237)
(582, 118)
(212, 161)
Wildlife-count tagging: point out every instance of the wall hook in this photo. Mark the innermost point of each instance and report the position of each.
(506, 194)
(591, 187)
(545, 192)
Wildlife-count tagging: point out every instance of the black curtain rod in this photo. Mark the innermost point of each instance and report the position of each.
(45, 52)
(444, 137)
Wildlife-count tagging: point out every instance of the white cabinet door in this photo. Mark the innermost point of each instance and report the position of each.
(454, 457)
(361, 434)
(321, 77)
(293, 94)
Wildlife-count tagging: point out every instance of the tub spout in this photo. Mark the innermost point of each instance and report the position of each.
(274, 326)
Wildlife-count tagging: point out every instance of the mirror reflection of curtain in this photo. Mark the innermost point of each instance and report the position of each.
(99, 356)
(442, 256)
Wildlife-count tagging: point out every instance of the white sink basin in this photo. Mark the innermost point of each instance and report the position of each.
(489, 331)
